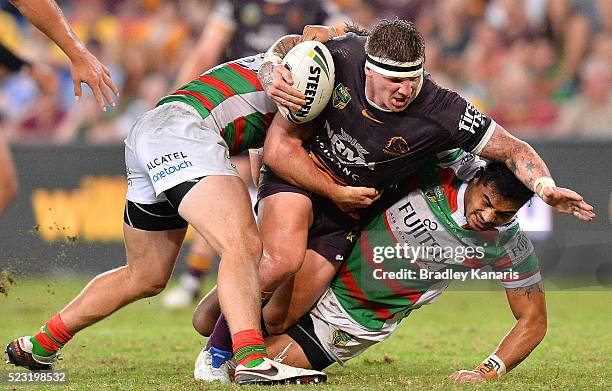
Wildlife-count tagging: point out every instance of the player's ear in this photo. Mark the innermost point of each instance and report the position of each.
(368, 71)
(478, 174)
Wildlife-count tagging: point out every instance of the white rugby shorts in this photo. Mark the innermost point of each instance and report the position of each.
(169, 145)
(340, 336)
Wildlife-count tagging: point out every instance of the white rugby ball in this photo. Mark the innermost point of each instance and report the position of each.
(312, 68)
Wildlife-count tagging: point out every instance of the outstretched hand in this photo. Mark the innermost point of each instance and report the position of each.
(87, 69)
(467, 376)
(568, 201)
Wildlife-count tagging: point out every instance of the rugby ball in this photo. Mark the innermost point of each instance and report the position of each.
(312, 68)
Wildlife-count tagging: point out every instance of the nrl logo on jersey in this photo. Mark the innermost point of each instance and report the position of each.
(341, 96)
(346, 147)
(396, 146)
(341, 338)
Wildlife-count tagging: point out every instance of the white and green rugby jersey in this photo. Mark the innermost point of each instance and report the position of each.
(378, 289)
(230, 100)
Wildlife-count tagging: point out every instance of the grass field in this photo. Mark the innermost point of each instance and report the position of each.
(144, 347)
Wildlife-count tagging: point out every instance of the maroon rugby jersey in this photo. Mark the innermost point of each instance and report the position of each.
(358, 144)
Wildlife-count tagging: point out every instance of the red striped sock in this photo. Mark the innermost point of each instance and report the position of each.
(52, 336)
(249, 347)
(58, 330)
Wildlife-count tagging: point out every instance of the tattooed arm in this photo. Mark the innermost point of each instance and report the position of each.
(528, 304)
(276, 79)
(528, 167)
(529, 308)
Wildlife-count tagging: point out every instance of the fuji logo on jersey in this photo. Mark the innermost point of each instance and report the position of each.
(472, 120)
(519, 247)
(396, 146)
(167, 158)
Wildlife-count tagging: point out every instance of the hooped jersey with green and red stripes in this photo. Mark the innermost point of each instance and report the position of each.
(406, 256)
(231, 100)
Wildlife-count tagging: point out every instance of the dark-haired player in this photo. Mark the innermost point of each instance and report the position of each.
(371, 294)
(453, 226)
(385, 118)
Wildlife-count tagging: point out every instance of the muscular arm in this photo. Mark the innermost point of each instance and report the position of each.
(47, 16)
(529, 308)
(285, 155)
(528, 166)
(528, 305)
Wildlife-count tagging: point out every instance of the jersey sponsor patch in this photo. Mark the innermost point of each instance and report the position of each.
(472, 120)
(341, 96)
(519, 247)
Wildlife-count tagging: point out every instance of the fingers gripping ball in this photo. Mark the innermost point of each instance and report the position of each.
(312, 69)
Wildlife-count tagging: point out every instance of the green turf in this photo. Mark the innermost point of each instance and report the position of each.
(145, 347)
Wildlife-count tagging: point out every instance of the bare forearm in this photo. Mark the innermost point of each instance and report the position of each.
(520, 341)
(291, 162)
(527, 165)
(519, 156)
(47, 16)
(274, 55)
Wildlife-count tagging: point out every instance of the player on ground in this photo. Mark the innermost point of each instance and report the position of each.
(386, 117)
(457, 226)
(179, 173)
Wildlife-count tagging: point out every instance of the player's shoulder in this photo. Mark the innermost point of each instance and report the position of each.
(438, 98)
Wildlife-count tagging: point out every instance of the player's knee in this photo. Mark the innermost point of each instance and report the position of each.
(201, 324)
(276, 323)
(282, 264)
(204, 320)
(147, 287)
(153, 288)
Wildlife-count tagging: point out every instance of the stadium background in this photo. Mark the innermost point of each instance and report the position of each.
(542, 68)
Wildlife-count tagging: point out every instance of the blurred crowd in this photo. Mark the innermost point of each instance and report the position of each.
(541, 68)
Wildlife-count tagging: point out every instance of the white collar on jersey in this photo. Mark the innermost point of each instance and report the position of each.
(459, 215)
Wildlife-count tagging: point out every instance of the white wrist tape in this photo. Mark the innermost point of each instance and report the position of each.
(543, 182)
(492, 367)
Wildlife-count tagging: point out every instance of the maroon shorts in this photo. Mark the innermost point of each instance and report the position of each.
(333, 233)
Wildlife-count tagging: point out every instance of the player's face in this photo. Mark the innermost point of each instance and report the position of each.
(391, 93)
(485, 209)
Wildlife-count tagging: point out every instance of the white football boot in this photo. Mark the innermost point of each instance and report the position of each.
(273, 372)
(183, 294)
(205, 371)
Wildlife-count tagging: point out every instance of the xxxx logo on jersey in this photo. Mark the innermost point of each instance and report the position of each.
(341, 96)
